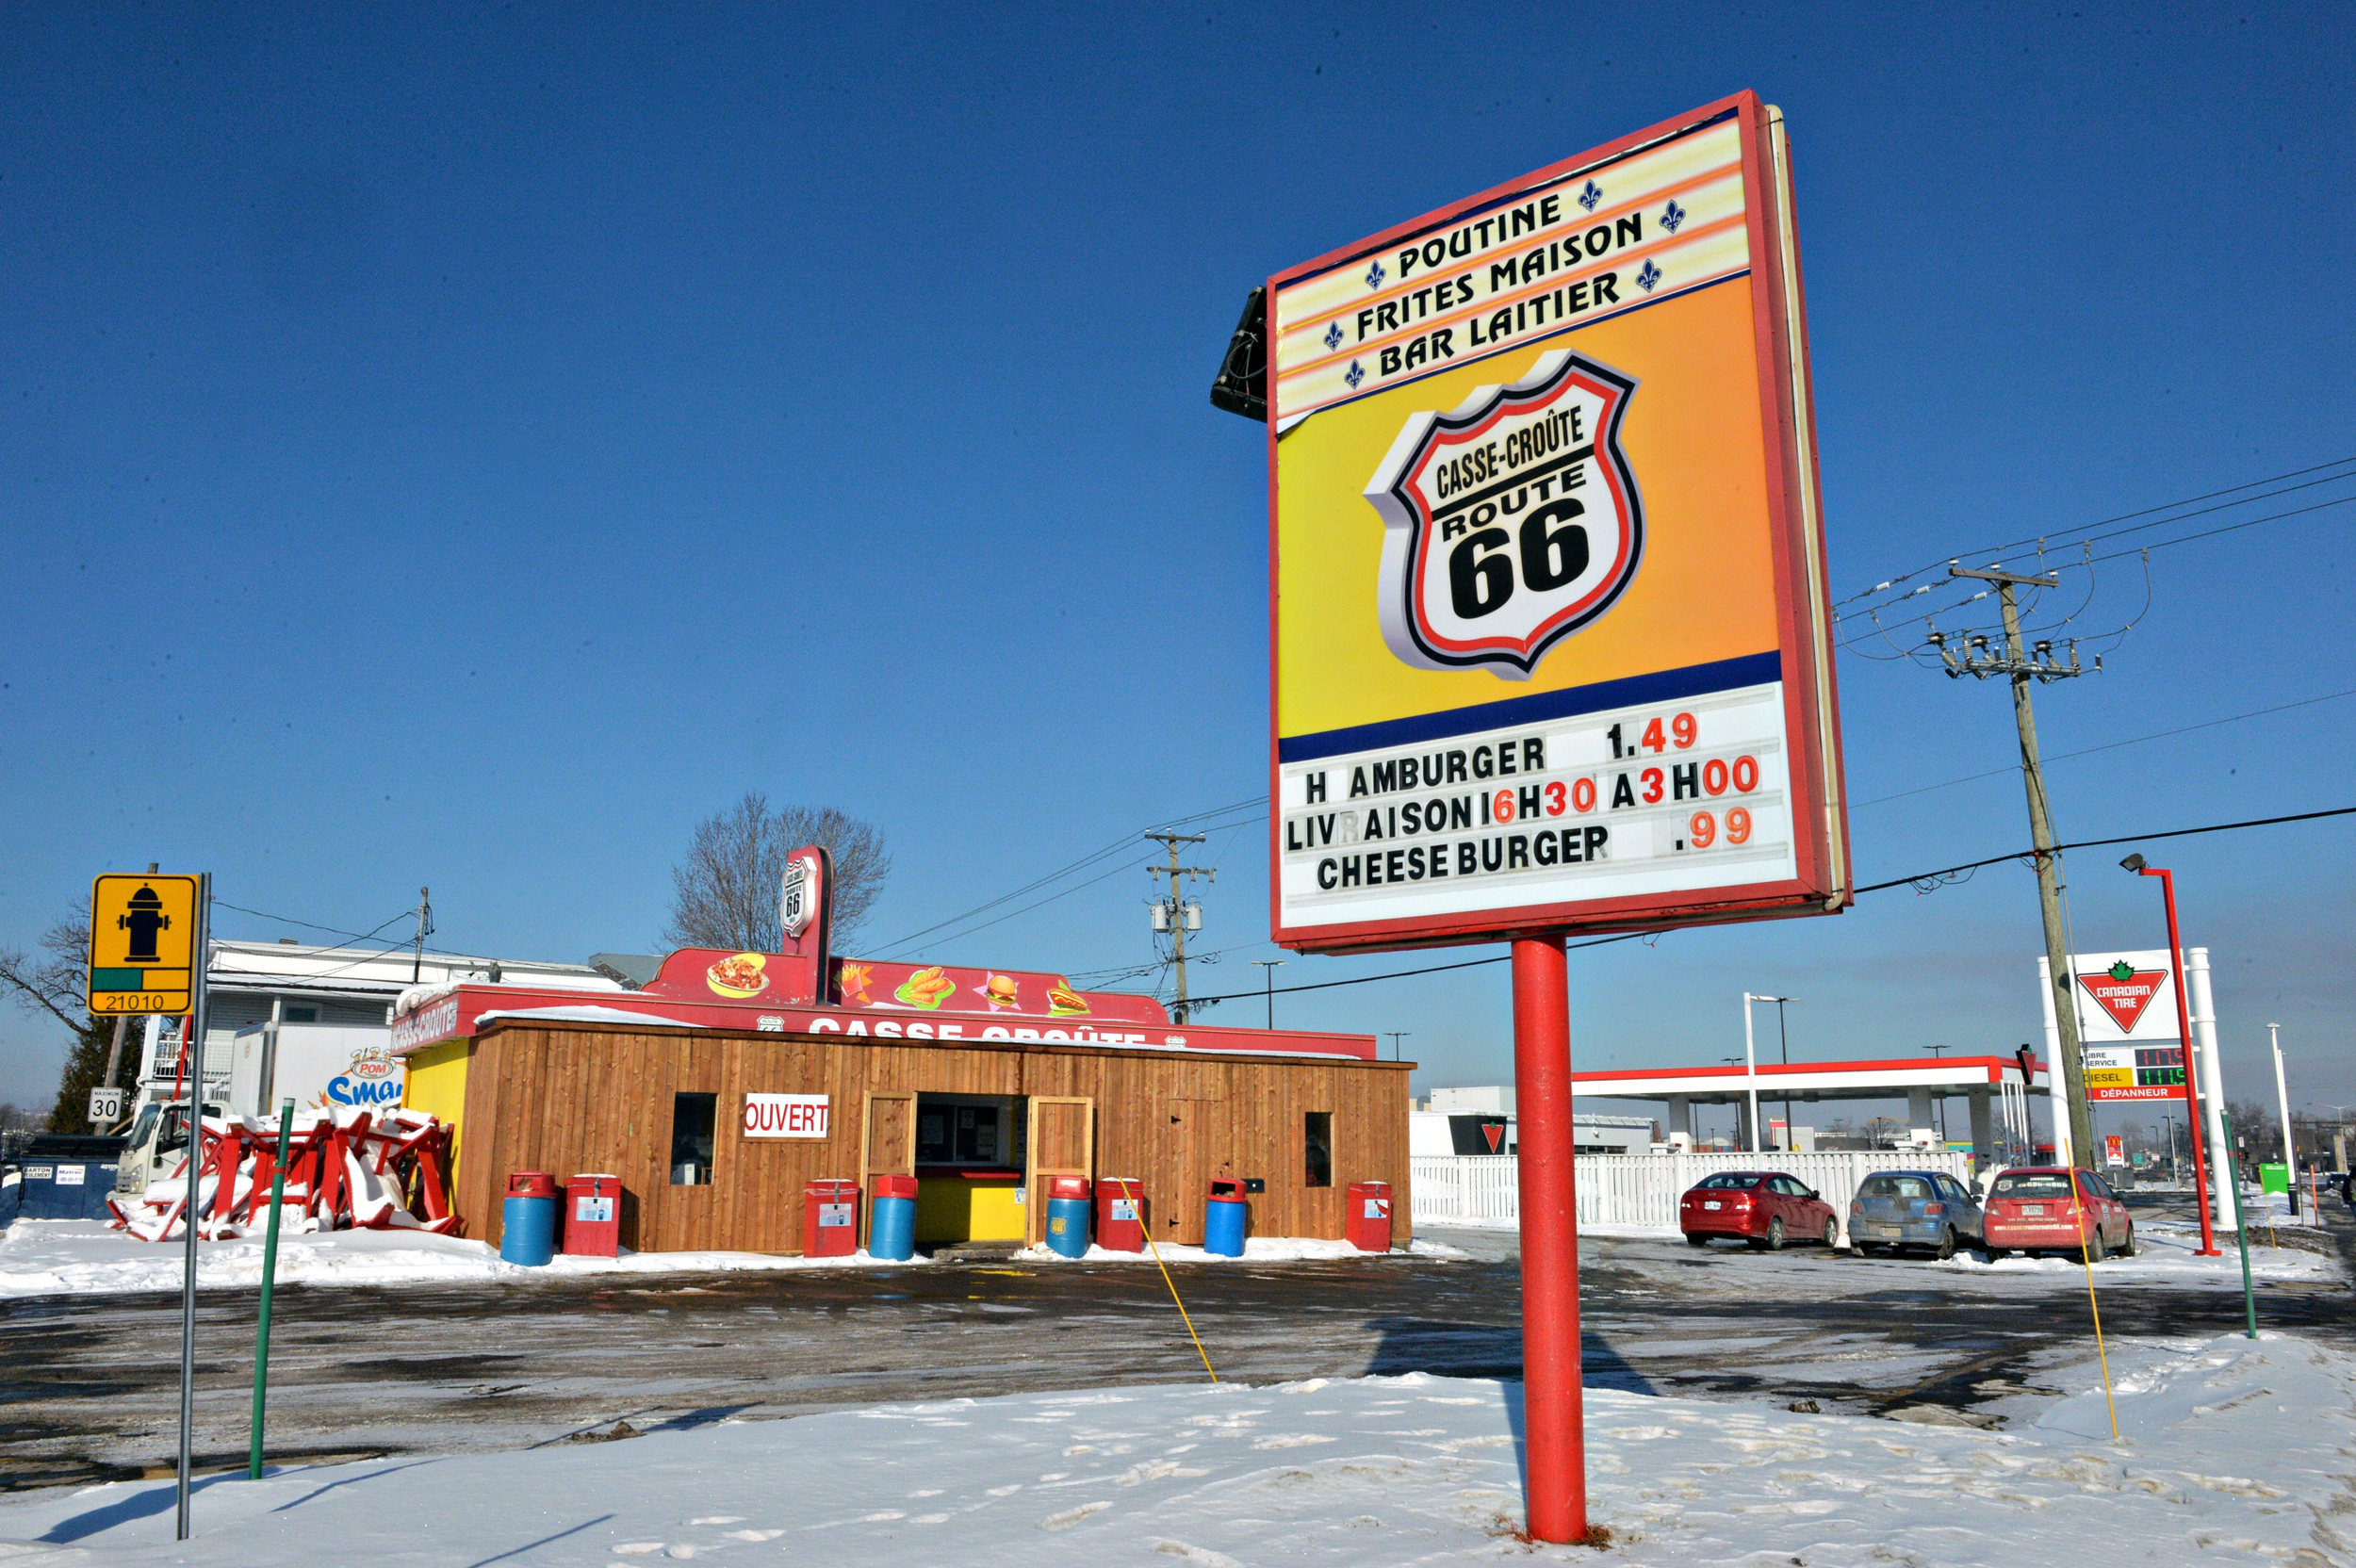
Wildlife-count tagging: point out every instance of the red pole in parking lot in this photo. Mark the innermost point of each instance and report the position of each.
(2192, 1061)
(1554, 1439)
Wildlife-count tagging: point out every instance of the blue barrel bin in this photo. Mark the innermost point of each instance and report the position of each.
(892, 1220)
(1068, 1205)
(1223, 1220)
(528, 1218)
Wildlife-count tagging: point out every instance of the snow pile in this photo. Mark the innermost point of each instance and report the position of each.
(52, 1257)
(2168, 1252)
(2232, 1448)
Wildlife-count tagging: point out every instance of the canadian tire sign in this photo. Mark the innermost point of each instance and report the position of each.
(1510, 521)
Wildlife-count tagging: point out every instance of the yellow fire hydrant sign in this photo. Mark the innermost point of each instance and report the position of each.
(142, 939)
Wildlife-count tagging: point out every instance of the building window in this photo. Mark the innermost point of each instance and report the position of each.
(692, 1118)
(1318, 1139)
(301, 1015)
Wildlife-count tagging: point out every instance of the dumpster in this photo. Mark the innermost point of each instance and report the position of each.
(1370, 1215)
(829, 1218)
(64, 1176)
(1223, 1219)
(1120, 1214)
(892, 1219)
(1068, 1216)
(528, 1218)
(592, 1215)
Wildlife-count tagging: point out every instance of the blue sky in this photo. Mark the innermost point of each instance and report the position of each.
(462, 448)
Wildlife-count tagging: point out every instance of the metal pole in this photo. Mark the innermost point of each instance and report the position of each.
(2283, 1099)
(1554, 1436)
(1267, 968)
(1783, 1039)
(269, 1270)
(2204, 1013)
(2192, 1069)
(2241, 1231)
(1750, 1070)
(194, 1072)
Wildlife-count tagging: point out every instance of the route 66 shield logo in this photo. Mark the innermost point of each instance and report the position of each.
(1509, 522)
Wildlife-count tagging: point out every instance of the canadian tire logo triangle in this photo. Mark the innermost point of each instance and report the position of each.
(1493, 1131)
(2124, 992)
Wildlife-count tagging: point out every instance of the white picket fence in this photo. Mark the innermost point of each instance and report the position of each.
(1644, 1189)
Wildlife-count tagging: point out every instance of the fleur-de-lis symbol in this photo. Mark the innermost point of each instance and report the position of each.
(1334, 335)
(1646, 279)
(1671, 217)
(1375, 275)
(1355, 374)
(1589, 197)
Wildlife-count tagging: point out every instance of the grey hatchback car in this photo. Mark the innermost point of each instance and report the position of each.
(1913, 1208)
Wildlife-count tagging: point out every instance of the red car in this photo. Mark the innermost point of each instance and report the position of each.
(1765, 1208)
(2030, 1208)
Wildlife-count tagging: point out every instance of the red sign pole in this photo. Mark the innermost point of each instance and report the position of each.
(1554, 1438)
(2192, 1060)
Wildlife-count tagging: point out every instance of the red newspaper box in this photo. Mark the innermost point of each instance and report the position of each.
(1120, 1214)
(829, 1218)
(1370, 1215)
(592, 1215)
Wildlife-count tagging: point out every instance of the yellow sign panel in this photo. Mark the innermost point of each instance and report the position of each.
(143, 943)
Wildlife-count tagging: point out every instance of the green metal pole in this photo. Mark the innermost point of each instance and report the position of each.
(269, 1268)
(2232, 1180)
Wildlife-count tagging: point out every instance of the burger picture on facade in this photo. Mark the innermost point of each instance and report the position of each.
(999, 990)
(928, 988)
(739, 974)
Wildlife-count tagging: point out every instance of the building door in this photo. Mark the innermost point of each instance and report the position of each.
(1061, 1142)
(887, 1146)
(1198, 1136)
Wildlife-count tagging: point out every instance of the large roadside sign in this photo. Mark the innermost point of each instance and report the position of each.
(1549, 622)
(142, 936)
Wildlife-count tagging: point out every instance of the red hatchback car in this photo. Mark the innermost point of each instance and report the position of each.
(2030, 1209)
(1763, 1207)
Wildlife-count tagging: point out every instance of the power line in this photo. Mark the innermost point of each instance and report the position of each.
(2111, 745)
(333, 931)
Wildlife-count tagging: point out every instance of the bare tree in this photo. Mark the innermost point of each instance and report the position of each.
(725, 891)
(53, 981)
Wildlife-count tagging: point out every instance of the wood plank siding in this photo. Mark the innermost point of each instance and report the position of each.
(577, 1097)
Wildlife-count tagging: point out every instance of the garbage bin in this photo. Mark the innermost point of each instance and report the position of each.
(1068, 1216)
(1370, 1215)
(829, 1218)
(892, 1219)
(527, 1220)
(592, 1215)
(1223, 1220)
(1120, 1214)
(67, 1176)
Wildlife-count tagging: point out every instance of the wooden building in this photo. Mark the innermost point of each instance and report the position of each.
(983, 1123)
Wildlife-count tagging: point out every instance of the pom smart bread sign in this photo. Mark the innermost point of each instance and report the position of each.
(1550, 629)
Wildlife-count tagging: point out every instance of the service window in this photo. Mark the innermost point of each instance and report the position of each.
(693, 1116)
(1317, 1143)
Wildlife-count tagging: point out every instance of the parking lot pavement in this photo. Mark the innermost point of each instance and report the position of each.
(93, 1388)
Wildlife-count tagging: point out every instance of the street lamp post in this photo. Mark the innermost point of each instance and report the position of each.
(1750, 1066)
(1267, 968)
(2192, 1069)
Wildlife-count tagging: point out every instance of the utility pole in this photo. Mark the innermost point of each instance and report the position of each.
(1267, 968)
(425, 929)
(1174, 914)
(2023, 666)
(1398, 1055)
(114, 1052)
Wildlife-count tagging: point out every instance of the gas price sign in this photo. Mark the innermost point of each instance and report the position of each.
(1550, 629)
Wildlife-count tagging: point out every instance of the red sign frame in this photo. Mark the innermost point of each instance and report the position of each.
(1801, 593)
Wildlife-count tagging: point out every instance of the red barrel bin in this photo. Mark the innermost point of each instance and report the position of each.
(592, 1215)
(1120, 1214)
(829, 1218)
(1370, 1215)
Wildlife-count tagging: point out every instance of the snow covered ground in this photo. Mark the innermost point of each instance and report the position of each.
(2230, 1449)
(46, 1257)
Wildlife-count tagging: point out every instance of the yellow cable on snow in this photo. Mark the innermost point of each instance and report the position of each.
(2085, 1256)
(1166, 1279)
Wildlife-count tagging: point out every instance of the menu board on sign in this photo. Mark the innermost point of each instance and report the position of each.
(1550, 632)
